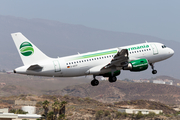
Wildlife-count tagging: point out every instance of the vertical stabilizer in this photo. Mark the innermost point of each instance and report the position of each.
(28, 52)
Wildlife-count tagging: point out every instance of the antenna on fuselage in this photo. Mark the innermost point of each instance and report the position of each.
(146, 41)
(78, 53)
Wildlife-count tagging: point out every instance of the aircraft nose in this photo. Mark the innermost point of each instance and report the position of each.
(171, 51)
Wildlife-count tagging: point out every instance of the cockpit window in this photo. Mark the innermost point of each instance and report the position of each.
(163, 46)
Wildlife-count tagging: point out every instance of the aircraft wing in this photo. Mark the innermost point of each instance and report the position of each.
(120, 59)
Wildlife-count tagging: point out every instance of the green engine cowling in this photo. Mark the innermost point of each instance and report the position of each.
(137, 65)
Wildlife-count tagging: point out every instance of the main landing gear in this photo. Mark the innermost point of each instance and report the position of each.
(153, 71)
(112, 79)
(95, 82)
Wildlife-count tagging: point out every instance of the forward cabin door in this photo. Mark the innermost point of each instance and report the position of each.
(57, 67)
(155, 50)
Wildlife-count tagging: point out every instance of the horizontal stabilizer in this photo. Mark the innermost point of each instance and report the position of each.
(36, 68)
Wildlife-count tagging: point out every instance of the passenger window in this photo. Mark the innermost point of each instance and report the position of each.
(84, 60)
(139, 50)
(74, 62)
(66, 63)
(102, 57)
(77, 61)
(134, 51)
(107, 56)
(89, 59)
(129, 52)
(149, 48)
(99, 57)
(94, 58)
(69, 63)
(144, 49)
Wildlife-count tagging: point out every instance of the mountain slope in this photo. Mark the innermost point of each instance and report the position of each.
(121, 91)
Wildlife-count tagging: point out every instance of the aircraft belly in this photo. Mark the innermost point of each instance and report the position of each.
(78, 71)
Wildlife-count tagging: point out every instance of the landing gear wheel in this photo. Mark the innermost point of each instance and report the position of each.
(154, 71)
(112, 79)
(94, 82)
(152, 66)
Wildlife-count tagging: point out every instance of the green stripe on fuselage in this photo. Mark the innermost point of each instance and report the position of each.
(93, 55)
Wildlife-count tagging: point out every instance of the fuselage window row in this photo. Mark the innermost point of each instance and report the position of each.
(89, 59)
(140, 51)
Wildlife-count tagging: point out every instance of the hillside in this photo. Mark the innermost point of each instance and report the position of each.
(87, 108)
(164, 77)
(122, 91)
(14, 84)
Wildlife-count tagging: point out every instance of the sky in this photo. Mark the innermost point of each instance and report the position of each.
(159, 18)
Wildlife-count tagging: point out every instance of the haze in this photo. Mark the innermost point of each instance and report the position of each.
(156, 18)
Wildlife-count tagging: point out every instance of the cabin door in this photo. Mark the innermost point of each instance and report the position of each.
(57, 67)
(155, 50)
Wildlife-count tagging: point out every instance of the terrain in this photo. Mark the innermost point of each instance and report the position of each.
(87, 102)
(122, 91)
(86, 108)
(14, 84)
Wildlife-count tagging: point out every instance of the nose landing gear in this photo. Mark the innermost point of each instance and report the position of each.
(153, 71)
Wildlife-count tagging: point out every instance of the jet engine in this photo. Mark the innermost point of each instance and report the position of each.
(137, 65)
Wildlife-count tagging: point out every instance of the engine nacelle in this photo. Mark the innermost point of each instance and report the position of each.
(137, 65)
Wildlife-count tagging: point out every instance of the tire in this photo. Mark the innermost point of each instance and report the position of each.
(112, 79)
(154, 72)
(94, 82)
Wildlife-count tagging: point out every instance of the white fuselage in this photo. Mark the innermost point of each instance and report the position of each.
(80, 64)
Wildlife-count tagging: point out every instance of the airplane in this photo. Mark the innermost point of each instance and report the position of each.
(106, 63)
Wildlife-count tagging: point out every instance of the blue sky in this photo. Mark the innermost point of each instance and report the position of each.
(160, 18)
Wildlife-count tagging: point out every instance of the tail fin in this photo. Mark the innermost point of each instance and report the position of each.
(28, 52)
